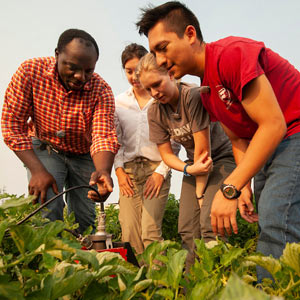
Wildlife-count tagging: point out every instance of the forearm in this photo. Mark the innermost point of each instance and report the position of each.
(201, 182)
(256, 154)
(173, 162)
(30, 160)
(239, 148)
(103, 161)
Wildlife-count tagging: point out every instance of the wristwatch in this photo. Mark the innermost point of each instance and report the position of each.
(230, 191)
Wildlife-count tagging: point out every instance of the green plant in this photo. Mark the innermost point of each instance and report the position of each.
(112, 222)
(285, 272)
(38, 260)
(246, 232)
(169, 225)
(170, 220)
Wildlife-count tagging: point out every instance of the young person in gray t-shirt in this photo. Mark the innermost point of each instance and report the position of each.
(178, 114)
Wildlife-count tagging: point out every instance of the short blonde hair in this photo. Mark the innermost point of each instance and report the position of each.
(148, 63)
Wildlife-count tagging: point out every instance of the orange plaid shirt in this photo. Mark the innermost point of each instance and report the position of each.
(86, 117)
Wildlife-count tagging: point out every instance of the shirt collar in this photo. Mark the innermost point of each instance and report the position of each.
(130, 93)
(52, 72)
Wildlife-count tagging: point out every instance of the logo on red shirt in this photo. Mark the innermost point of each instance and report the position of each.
(224, 95)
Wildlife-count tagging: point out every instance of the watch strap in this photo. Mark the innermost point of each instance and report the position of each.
(237, 192)
(185, 173)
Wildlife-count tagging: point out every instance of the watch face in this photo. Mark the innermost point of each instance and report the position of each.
(229, 192)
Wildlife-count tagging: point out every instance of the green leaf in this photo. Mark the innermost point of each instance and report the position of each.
(236, 289)
(51, 229)
(3, 226)
(32, 279)
(231, 255)
(45, 234)
(291, 256)
(205, 289)
(156, 248)
(15, 201)
(22, 236)
(106, 256)
(10, 290)
(87, 257)
(139, 274)
(205, 255)
(96, 291)
(43, 293)
(197, 271)
(165, 293)
(69, 281)
(140, 286)
(60, 245)
(105, 271)
(55, 253)
(47, 286)
(122, 285)
(269, 263)
(249, 279)
(175, 267)
(115, 259)
(48, 260)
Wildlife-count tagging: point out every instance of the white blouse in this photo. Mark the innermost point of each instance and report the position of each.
(133, 132)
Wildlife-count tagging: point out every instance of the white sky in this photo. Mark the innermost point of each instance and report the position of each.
(31, 28)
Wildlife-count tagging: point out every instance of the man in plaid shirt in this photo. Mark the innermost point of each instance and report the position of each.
(58, 119)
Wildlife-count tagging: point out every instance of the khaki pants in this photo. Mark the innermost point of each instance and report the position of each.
(141, 218)
(194, 222)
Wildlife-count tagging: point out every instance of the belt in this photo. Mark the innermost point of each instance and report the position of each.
(137, 160)
(140, 159)
(49, 148)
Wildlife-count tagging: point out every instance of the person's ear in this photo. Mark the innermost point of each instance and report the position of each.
(171, 75)
(190, 33)
(56, 53)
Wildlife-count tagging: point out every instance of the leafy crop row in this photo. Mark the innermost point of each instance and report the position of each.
(39, 260)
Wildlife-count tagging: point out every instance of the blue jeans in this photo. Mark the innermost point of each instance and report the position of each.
(68, 171)
(277, 188)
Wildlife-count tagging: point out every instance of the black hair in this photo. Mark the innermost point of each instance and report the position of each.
(131, 51)
(70, 34)
(175, 15)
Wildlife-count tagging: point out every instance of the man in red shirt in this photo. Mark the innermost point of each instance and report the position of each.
(255, 94)
(72, 140)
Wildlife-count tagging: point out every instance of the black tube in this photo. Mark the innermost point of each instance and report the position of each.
(58, 195)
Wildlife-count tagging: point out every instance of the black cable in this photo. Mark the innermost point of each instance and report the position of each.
(58, 195)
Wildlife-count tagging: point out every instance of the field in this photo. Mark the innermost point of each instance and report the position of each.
(41, 260)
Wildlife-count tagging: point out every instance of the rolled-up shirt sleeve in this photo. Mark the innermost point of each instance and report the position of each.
(119, 158)
(162, 169)
(104, 136)
(17, 109)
